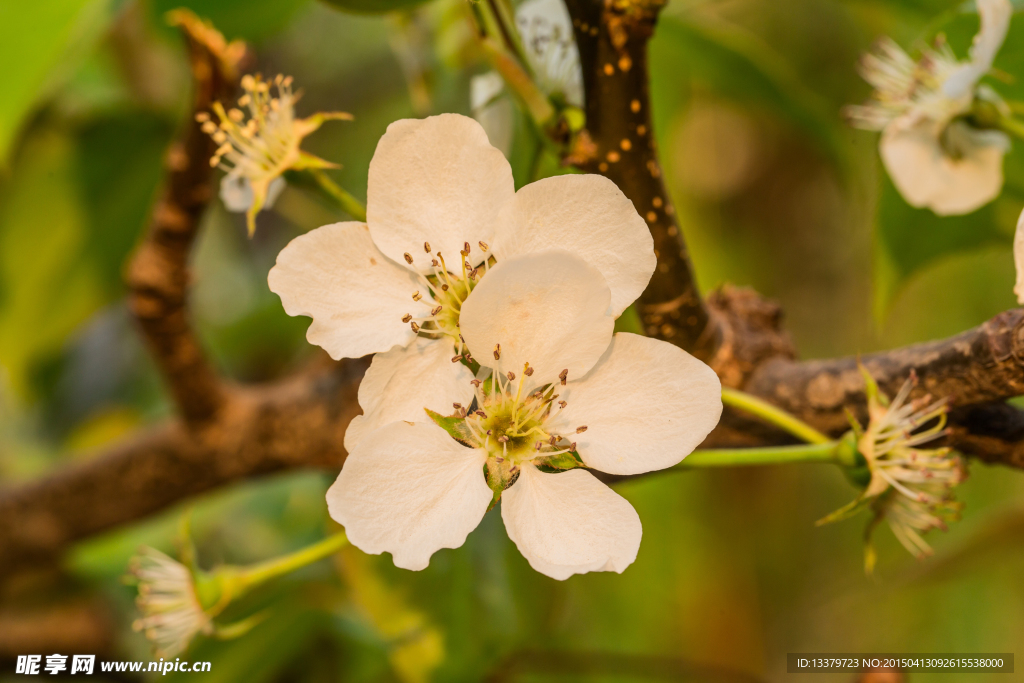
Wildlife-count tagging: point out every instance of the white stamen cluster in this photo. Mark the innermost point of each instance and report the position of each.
(913, 485)
(446, 292)
(171, 612)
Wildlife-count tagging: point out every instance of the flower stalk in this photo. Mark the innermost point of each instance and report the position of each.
(772, 415)
(348, 203)
(842, 452)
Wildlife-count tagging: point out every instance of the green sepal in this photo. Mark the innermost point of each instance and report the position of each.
(239, 628)
(498, 479)
(561, 462)
(455, 425)
(307, 161)
(845, 512)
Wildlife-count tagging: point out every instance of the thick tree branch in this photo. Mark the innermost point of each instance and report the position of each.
(619, 143)
(158, 276)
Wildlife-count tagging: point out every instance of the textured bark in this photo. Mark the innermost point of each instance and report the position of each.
(619, 143)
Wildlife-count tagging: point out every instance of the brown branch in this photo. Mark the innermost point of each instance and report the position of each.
(158, 276)
(619, 143)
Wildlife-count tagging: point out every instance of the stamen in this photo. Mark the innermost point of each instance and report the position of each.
(497, 352)
(435, 311)
(465, 248)
(417, 296)
(415, 327)
(563, 375)
(511, 375)
(426, 247)
(580, 430)
(528, 371)
(476, 383)
(503, 439)
(408, 258)
(456, 359)
(483, 246)
(407, 317)
(562, 404)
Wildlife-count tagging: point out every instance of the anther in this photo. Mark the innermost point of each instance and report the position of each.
(417, 296)
(511, 375)
(562, 404)
(483, 246)
(415, 327)
(444, 288)
(465, 248)
(476, 382)
(537, 446)
(497, 352)
(528, 371)
(480, 413)
(456, 359)
(435, 311)
(563, 375)
(462, 339)
(503, 439)
(426, 247)
(408, 257)
(469, 358)
(434, 262)
(553, 440)
(457, 406)
(580, 430)
(572, 446)
(407, 317)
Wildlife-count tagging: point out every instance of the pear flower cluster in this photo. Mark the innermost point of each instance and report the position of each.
(937, 155)
(497, 375)
(258, 141)
(909, 487)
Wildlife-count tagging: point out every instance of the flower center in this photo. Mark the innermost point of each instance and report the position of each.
(443, 294)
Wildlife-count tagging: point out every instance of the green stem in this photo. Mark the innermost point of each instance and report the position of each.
(254, 575)
(349, 204)
(773, 415)
(769, 455)
(1012, 126)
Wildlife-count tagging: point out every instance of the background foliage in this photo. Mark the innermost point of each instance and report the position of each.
(773, 191)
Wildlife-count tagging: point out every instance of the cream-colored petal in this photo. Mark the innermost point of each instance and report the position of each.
(927, 176)
(400, 383)
(646, 405)
(995, 23)
(355, 295)
(1018, 259)
(409, 490)
(492, 109)
(547, 35)
(570, 523)
(588, 216)
(435, 180)
(549, 309)
(236, 192)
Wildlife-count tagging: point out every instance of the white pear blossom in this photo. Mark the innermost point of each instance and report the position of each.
(934, 153)
(562, 394)
(545, 30)
(441, 211)
(259, 140)
(1018, 258)
(171, 612)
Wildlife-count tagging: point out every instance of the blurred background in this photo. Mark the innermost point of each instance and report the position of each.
(773, 191)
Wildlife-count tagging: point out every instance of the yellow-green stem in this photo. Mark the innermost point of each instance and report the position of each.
(771, 414)
(349, 204)
(827, 452)
(254, 575)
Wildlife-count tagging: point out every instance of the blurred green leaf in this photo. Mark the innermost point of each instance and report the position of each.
(48, 289)
(38, 41)
(373, 6)
(252, 20)
(739, 66)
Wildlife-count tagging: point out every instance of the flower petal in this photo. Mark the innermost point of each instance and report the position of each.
(492, 108)
(410, 490)
(646, 405)
(400, 383)
(995, 23)
(435, 180)
(927, 176)
(355, 295)
(589, 216)
(236, 192)
(1018, 259)
(548, 309)
(547, 36)
(570, 523)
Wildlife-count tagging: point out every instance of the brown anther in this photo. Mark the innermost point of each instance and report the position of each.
(480, 413)
(444, 288)
(537, 446)
(562, 404)
(469, 358)
(465, 248)
(553, 440)
(435, 311)
(426, 247)
(528, 371)
(457, 406)
(572, 446)
(416, 296)
(462, 339)
(407, 317)
(503, 439)
(462, 412)
(563, 376)
(511, 375)
(456, 359)
(483, 246)
(472, 273)
(434, 262)
(475, 382)
(497, 352)
(580, 430)
(408, 257)
(415, 327)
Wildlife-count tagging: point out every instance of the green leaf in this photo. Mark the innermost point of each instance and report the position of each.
(252, 20)
(738, 65)
(373, 6)
(39, 43)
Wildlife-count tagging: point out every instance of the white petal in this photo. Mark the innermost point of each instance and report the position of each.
(646, 405)
(236, 192)
(435, 180)
(589, 216)
(1018, 259)
(547, 35)
(492, 109)
(400, 383)
(995, 22)
(927, 176)
(549, 309)
(409, 490)
(355, 295)
(570, 523)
